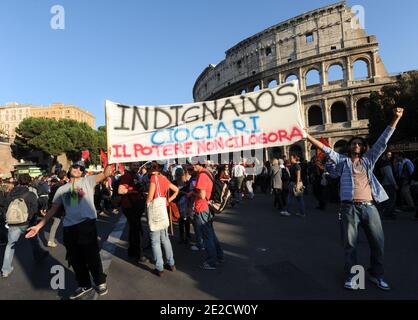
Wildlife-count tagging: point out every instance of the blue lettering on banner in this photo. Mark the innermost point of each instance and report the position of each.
(202, 132)
(194, 135)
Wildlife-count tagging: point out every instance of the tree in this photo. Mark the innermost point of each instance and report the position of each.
(54, 137)
(404, 94)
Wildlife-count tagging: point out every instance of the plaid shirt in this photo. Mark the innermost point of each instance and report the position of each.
(369, 159)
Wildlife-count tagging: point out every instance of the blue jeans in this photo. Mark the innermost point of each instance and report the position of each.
(291, 197)
(213, 248)
(159, 238)
(13, 236)
(388, 207)
(198, 235)
(368, 217)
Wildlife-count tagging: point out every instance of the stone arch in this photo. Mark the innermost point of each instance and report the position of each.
(315, 116)
(312, 77)
(340, 146)
(272, 83)
(290, 77)
(335, 72)
(339, 112)
(361, 68)
(362, 108)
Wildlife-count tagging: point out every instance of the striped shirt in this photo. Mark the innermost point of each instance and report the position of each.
(369, 159)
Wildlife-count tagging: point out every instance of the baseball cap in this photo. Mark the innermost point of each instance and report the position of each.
(79, 164)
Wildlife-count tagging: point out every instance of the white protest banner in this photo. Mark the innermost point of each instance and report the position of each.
(266, 118)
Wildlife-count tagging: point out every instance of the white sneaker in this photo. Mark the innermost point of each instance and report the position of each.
(285, 213)
(52, 244)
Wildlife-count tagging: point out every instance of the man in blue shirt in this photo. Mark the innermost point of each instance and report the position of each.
(359, 192)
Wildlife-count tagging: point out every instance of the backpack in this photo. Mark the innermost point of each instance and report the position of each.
(285, 175)
(17, 212)
(42, 188)
(220, 196)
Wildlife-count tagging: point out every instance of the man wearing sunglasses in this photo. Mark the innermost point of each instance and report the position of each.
(80, 232)
(359, 192)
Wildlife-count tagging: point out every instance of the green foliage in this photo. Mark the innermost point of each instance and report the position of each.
(63, 136)
(403, 94)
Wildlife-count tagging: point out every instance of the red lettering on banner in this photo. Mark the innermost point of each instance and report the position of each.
(230, 142)
(125, 154)
(264, 138)
(210, 146)
(283, 135)
(137, 149)
(167, 150)
(219, 144)
(201, 147)
(187, 147)
(178, 148)
(272, 137)
(296, 133)
(116, 148)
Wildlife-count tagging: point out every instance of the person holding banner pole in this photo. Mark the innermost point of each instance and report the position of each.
(359, 193)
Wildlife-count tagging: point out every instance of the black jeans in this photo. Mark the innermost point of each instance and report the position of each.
(278, 199)
(83, 253)
(318, 191)
(133, 215)
(184, 228)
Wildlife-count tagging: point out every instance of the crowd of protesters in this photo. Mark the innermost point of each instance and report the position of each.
(77, 198)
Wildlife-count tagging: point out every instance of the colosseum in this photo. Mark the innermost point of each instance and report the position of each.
(322, 49)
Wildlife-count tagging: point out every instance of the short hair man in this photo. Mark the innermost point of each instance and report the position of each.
(202, 217)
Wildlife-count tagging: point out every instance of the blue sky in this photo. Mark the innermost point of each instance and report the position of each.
(151, 52)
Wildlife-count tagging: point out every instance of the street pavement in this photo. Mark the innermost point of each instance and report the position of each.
(267, 256)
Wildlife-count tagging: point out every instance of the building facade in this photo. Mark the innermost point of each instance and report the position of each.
(323, 49)
(13, 113)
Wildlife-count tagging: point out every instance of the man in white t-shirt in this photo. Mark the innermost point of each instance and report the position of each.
(238, 175)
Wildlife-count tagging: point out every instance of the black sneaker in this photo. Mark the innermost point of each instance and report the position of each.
(102, 289)
(80, 293)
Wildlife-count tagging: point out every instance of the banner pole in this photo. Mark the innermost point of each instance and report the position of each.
(107, 134)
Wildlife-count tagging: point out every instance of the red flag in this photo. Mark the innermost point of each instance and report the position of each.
(103, 158)
(319, 153)
(85, 154)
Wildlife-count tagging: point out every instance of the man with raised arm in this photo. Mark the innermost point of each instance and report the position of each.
(80, 232)
(359, 192)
